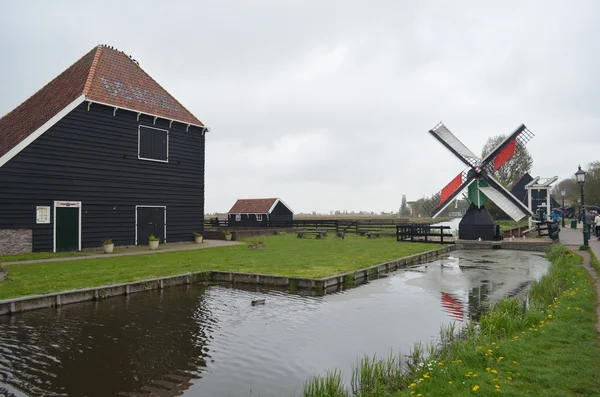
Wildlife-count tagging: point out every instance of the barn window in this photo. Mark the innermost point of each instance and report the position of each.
(153, 144)
(238, 217)
(259, 217)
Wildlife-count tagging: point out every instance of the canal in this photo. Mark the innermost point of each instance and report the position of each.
(209, 340)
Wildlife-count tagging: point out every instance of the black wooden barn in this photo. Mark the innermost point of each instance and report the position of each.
(102, 152)
(264, 212)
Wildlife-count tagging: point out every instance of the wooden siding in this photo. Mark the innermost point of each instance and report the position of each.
(281, 216)
(248, 220)
(92, 157)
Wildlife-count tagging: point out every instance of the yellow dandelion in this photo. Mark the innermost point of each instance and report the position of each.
(413, 384)
(449, 382)
(488, 369)
(475, 388)
(494, 371)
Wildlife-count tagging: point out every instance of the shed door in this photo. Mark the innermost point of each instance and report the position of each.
(67, 229)
(150, 220)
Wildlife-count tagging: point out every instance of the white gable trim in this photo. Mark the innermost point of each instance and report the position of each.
(282, 202)
(37, 133)
(203, 127)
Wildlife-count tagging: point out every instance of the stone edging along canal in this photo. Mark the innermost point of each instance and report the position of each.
(32, 302)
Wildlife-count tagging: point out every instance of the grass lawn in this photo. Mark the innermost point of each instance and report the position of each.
(284, 255)
(43, 255)
(510, 224)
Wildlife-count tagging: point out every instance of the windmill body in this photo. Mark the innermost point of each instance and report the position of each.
(480, 184)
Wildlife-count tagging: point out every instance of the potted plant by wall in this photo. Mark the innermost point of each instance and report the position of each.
(227, 236)
(108, 246)
(198, 237)
(153, 242)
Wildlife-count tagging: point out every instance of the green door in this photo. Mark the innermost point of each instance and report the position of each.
(67, 229)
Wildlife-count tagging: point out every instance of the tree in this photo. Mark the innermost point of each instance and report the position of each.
(591, 188)
(404, 210)
(511, 171)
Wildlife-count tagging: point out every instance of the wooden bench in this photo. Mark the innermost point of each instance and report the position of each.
(317, 233)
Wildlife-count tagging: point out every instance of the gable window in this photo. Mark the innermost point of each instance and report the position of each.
(238, 217)
(259, 217)
(153, 144)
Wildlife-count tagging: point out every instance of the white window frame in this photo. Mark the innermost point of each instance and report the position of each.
(259, 217)
(164, 207)
(139, 139)
(238, 217)
(72, 204)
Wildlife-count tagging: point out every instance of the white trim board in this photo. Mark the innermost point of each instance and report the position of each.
(77, 204)
(37, 133)
(203, 127)
(150, 206)
(282, 202)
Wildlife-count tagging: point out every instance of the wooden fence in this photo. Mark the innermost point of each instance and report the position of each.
(427, 233)
(550, 229)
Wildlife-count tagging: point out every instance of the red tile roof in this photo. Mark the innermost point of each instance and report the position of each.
(253, 206)
(103, 75)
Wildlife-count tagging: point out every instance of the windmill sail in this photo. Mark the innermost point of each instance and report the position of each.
(506, 149)
(504, 203)
(443, 134)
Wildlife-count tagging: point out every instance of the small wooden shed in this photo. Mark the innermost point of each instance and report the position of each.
(262, 212)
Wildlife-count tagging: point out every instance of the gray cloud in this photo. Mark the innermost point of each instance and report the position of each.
(328, 104)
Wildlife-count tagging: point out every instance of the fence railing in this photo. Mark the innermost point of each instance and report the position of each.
(420, 232)
(550, 229)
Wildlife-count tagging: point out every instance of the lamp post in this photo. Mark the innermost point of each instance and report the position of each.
(563, 192)
(580, 178)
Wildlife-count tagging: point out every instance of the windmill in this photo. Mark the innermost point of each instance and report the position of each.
(477, 178)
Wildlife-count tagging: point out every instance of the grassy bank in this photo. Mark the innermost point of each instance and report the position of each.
(284, 255)
(508, 224)
(550, 350)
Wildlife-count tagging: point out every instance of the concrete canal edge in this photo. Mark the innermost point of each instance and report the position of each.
(33, 302)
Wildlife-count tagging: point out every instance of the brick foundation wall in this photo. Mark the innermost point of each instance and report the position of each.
(15, 241)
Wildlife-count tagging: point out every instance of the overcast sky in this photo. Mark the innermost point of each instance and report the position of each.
(327, 104)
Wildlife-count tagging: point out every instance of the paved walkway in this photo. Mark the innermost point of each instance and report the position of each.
(139, 250)
(574, 237)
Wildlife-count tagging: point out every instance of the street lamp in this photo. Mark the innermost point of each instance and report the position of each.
(563, 192)
(580, 178)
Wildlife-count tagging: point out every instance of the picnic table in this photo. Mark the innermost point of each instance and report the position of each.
(317, 233)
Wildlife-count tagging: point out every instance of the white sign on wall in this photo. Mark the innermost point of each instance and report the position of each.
(42, 214)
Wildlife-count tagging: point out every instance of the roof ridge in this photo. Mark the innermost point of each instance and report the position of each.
(91, 74)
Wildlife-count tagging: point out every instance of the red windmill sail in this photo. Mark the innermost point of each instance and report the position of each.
(505, 154)
(450, 188)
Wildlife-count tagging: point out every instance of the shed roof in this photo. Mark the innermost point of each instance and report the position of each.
(255, 206)
(103, 75)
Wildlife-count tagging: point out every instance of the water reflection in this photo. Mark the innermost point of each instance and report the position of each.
(122, 346)
(209, 340)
